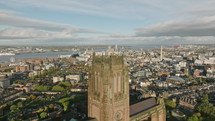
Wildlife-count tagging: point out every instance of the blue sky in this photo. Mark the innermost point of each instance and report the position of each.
(98, 22)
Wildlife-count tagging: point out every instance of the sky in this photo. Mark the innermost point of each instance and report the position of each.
(107, 22)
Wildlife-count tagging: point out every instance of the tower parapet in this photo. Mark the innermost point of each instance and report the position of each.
(108, 59)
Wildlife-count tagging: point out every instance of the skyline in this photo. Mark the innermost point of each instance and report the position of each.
(94, 22)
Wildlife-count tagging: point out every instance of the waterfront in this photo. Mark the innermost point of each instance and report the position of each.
(56, 54)
(36, 55)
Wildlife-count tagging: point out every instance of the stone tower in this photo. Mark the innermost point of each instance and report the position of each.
(108, 89)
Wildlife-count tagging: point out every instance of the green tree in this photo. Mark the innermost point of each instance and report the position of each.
(13, 107)
(40, 110)
(43, 115)
(170, 103)
(41, 88)
(51, 106)
(208, 111)
(16, 119)
(196, 83)
(19, 104)
(190, 77)
(193, 118)
(32, 97)
(13, 119)
(65, 105)
(66, 84)
(66, 99)
(57, 88)
(204, 99)
(45, 108)
(197, 114)
(203, 80)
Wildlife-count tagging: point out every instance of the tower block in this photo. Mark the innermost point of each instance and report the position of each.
(108, 89)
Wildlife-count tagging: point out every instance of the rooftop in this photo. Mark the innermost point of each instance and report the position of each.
(142, 106)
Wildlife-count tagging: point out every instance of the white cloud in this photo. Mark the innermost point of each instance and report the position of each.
(206, 8)
(31, 30)
(6, 12)
(198, 20)
(123, 9)
(204, 26)
(15, 21)
(32, 33)
(109, 40)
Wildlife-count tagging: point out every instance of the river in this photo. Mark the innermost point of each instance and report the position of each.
(56, 54)
(36, 55)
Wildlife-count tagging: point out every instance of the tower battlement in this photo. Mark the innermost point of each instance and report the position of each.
(108, 59)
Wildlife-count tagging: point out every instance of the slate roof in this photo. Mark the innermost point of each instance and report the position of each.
(142, 106)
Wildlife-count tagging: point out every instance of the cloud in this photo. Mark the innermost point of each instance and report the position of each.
(15, 21)
(6, 12)
(152, 40)
(110, 40)
(120, 9)
(196, 26)
(30, 30)
(206, 8)
(32, 33)
(204, 26)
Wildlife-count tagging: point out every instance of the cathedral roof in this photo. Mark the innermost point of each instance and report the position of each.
(142, 106)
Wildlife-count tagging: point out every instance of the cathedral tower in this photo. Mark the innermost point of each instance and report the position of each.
(108, 89)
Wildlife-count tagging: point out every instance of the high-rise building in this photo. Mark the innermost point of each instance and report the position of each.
(116, 48)
(108, 91)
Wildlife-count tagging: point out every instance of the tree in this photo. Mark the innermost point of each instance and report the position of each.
(203, 80)
(65, 105)
(3, 106)
(45, 108)
(58, 88)
(190, 77)
(43, 115)
(40, 110)
(193, 118)
(15, 119)
(33, 97)
(66, 84)
(51, 106)
(196, 83)
(19, 104)
(197, 114)
(170, 103)
(205, 99)
(66, 99)
(13, 107)
(207, 110)
(41, 88)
